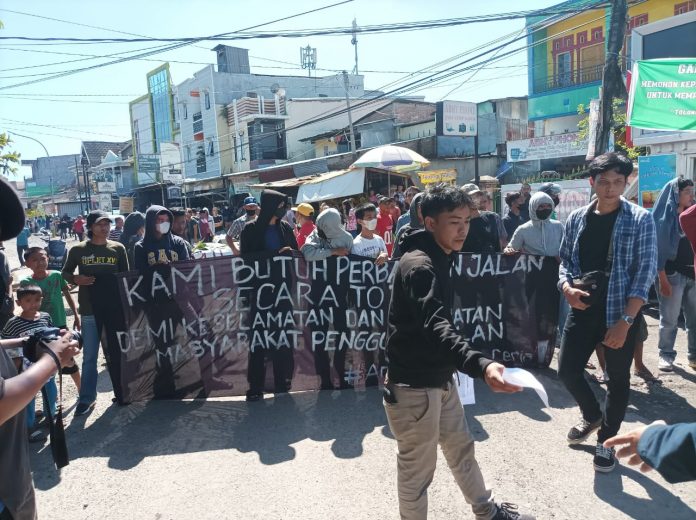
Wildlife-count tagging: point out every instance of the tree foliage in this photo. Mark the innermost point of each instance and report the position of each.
(618, 127)
(9, 160)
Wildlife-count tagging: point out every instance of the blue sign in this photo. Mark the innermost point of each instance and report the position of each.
(654, 171)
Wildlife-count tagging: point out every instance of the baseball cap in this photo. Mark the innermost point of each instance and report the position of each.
(250, 201)
(304, 209)
(97, 216)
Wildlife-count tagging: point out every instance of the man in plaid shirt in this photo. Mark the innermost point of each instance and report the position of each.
(610, 221)
(251, 208)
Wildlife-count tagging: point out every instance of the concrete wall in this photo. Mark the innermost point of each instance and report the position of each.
(58, 169)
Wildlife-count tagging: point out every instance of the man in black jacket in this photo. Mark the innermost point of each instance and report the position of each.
(269, 234)
(424, 350)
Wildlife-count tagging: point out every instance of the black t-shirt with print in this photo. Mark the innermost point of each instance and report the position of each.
(594, 241)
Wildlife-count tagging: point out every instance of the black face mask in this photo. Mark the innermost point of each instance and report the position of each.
(543, 214)
(251, 212)
(280, 212)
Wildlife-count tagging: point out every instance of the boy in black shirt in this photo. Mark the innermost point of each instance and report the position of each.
(424, 349)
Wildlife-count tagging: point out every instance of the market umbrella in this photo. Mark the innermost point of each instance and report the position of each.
(391, 158)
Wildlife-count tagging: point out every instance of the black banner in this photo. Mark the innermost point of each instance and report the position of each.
(220, 326)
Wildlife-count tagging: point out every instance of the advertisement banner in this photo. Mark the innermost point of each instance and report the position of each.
(104, 201)
(171, 163)
(437, 176)
(663, 95)
(574, 194)
(547, 147)
(106, 187)
(214, 326)
(456, 118)
(125, 205)
(148, 168)
(654, 171)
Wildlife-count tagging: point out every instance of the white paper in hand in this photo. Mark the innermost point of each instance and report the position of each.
(465, 386)
(520, 377)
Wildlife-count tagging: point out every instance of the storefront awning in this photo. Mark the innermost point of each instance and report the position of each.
(333, 185)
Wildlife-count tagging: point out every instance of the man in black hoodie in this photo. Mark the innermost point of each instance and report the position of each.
(424, 351)
(269, 234)
(159, 246)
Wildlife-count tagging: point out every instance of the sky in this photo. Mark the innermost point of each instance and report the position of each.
(93, 105)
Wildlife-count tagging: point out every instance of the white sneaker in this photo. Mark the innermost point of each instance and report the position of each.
(665, 365)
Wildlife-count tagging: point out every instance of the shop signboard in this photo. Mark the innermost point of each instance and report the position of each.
(654, 171)
(663, 95)
(456, 118)
(547, 147)
(125, 205)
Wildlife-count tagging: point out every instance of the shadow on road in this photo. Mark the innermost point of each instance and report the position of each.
(660, 502)
(129, 434)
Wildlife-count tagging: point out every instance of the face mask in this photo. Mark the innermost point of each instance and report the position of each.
(251, 212)
(163, 227)
(543, 214)
(371, 225)
(280, 212)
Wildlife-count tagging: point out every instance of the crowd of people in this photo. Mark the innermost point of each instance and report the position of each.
(610, 253)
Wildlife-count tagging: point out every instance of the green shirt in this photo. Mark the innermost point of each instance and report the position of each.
(52, 288)
(94, 260)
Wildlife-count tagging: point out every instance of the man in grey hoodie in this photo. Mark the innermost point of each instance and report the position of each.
(329, 239)
(541, 235)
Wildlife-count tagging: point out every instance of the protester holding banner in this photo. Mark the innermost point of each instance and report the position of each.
(159, 246)
(268, 233)
(542, 235)
(675, 269)
(96, 259)
(328, 239)
(608, 263)
(687, 221)
(415, 221)
(133, 231)
(179, 227)
(424, 350)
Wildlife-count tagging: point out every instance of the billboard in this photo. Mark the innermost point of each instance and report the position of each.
(171, 163)
(654, 171)
(663, 95)
(456, 118)
(547, 147)
(148, 168)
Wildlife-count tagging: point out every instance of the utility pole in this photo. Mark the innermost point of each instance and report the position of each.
(354, 41)
(53, 199)
(612, 79)
(350, 118)
(79, 190)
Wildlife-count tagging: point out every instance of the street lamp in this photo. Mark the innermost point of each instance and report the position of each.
(53, 201)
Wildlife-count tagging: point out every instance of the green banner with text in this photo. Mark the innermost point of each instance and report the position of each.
(663, 95)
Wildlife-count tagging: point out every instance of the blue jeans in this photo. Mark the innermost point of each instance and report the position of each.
(52, 394)
(90, 353)
(683, 299)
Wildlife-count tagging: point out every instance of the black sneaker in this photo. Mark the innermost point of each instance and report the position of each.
(604, 459)
(508, 511)
(84, 408)
(253, 396)
(581, 431)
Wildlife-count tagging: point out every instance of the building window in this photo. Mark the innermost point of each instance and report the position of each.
(136, 134)
(185, 109)
(684, 7)
(597, 34)
(188, 152)
(200, 159)
(197, 123)
(207, 101)
(563, 69)
(557, 45)
(211, 147)
(326, 149)
(581, 38)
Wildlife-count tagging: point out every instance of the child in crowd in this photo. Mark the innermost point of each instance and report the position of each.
(367, 243)
(31, 320)
(53, 287)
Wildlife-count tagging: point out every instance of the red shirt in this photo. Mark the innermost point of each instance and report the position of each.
(304, 231)
(79, 226)
(385, 226)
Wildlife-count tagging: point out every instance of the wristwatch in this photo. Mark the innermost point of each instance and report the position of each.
(628, 319)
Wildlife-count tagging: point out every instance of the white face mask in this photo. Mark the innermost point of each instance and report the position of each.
(370, 224)
(163, 227)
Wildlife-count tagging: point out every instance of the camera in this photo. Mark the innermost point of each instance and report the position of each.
(33, 347)
(40, 339)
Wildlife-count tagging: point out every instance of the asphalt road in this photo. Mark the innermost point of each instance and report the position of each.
(318, 455)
